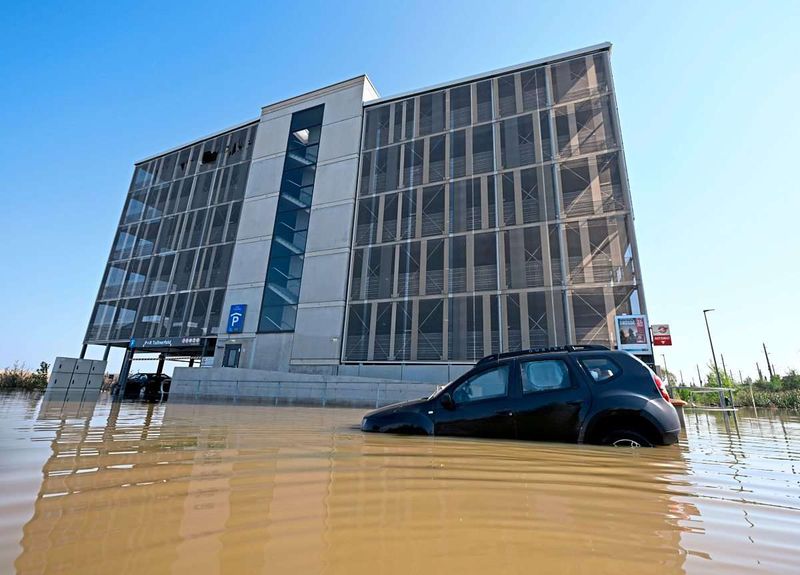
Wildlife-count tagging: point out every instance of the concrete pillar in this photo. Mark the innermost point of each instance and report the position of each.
(124, 372)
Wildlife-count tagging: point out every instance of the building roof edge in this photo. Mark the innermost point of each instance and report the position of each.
(492, 73)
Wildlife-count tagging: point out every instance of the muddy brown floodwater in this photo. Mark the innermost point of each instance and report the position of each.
(176, 488)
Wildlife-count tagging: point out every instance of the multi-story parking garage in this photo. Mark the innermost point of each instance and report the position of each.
(401, 237)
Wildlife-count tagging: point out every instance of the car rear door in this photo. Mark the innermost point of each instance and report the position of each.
(482, 406)
(554, 400)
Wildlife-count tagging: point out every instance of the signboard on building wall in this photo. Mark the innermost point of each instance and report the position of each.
(158, 342)
(236, 318)
(632, 333)
(661, 335)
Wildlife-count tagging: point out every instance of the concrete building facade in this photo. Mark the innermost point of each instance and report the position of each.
(402, 238)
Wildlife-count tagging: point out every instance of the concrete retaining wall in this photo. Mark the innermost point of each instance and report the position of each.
(278, 387)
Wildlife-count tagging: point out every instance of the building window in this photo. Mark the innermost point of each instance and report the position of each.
(290, 232)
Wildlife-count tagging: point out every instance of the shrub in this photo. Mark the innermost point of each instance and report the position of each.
(17, 377)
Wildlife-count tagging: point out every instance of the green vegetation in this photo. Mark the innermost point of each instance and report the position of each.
(780, 391)
(17, 377)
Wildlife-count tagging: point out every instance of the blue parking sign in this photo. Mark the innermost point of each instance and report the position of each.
(236, 318)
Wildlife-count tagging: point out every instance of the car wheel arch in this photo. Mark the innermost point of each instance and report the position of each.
(605, 422)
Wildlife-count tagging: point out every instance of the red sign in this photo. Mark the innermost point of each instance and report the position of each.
(661, 335)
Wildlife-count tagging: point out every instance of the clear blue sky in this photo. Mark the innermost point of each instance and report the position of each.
(708, 102)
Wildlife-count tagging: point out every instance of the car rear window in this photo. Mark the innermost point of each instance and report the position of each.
(601, 368)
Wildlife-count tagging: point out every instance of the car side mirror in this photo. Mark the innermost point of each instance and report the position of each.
(447, 401)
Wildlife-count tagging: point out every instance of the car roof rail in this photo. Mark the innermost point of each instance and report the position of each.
(535, 350)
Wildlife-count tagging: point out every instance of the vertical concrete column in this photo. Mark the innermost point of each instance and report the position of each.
(586, 252)
(524, 322)
(124, 372)
(570, 333)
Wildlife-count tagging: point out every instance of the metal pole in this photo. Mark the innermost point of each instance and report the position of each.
(711, 343)
(724, 368)
(105, 353)
(758, 369)
(680, 371)
(83, 351)
(769, 365)
(699, 377)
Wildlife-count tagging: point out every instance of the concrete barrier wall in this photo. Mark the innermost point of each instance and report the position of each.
(277, 387)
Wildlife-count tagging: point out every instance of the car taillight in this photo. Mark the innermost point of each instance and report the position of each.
(662, 389)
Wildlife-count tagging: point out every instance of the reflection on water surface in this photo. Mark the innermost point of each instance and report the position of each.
(178, 488)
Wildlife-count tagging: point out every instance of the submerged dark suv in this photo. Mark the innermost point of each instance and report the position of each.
(573, 394)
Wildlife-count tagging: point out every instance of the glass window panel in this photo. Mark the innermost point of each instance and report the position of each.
(544, 375)
(300, 139)
(465, 328)
(134, 210)
(413, 162)
(215, 313)
(123, 322)
(408, 268)
(177, 318)
(376, 131)
(183, 269)
(402, 330)
(410, 115)
(485, 258)
(483, 98)
(233, 221)
(408, 217)
(307, 118)
(482, 149)
(301, 157)
(197, 320)
(235, 147)
(507, 95)
(115, 276)
(590, 316)
(436, 158)
(146, 240)
(182, 164)
(486, 385)
(430, 330)
(367, 221)
(389, 229)
(434, 267)
(431, 113)
(461, 106)
(517, 142)
(534, 89)
(457, 271)
(202, 190)
(220, 265)
(458, 154)
(216, 227)
(397, 110)
(383, 331)
(433, 210)
(358, 321)
(278, 318)
(194, 228)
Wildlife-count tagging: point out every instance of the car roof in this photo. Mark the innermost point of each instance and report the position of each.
(541, 350)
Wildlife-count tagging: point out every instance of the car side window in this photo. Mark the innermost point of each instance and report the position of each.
(485, 385)
(545, 375)
(601, 368)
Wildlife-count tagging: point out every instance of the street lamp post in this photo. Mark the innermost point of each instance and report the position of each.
(711, 343)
